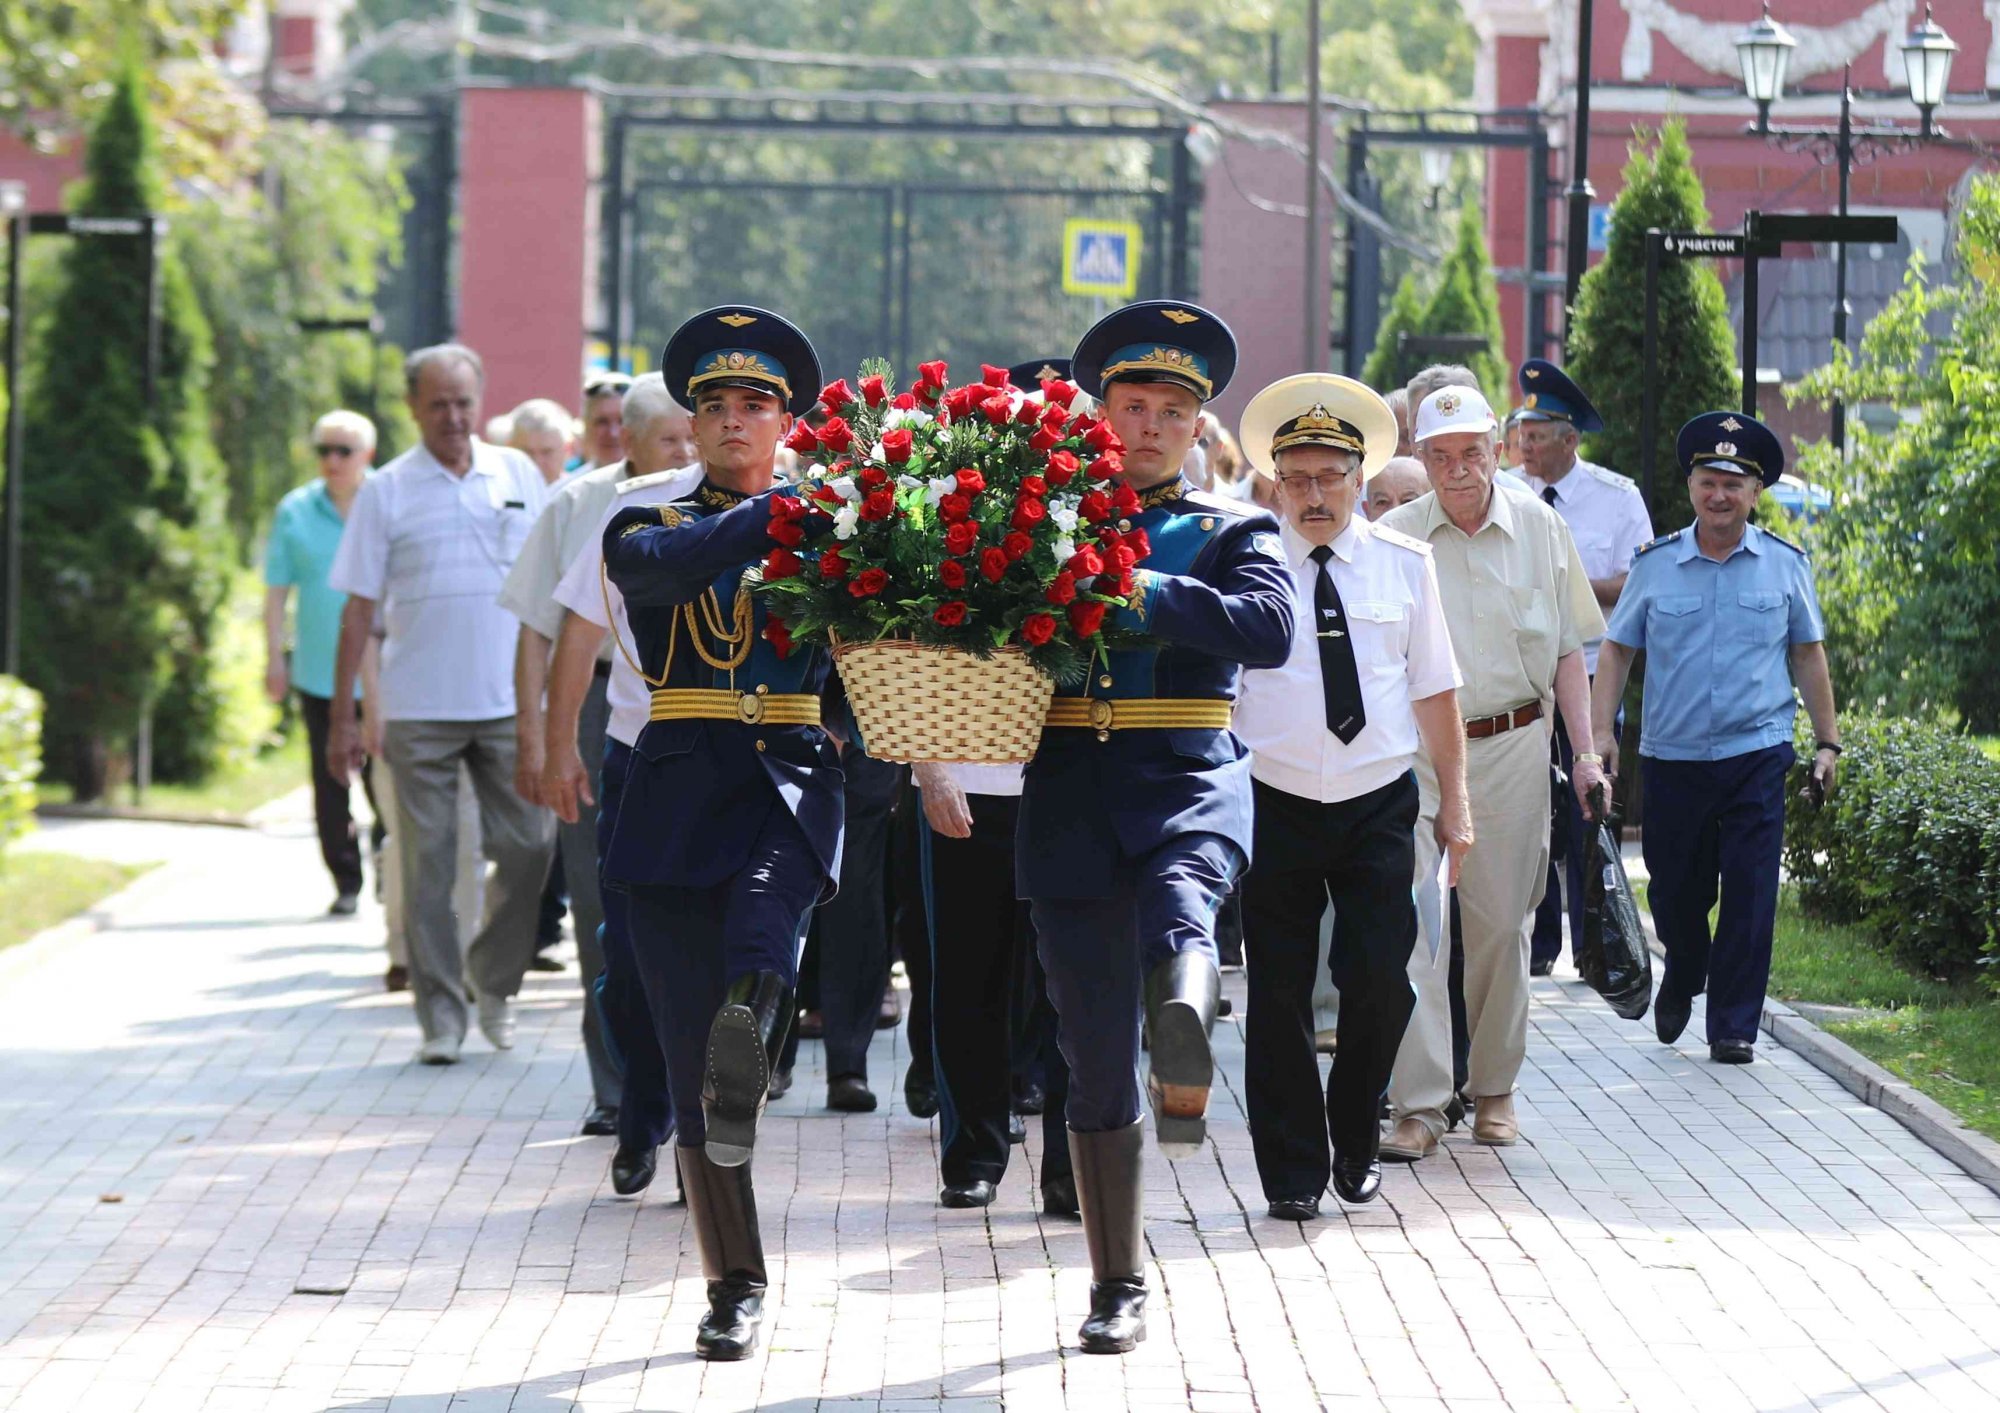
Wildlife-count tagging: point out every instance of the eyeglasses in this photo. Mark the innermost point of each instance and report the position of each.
(607, 383)
(1325, 483)
(326, 449)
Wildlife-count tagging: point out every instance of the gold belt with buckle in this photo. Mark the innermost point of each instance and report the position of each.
(758, 708)
(1130, 713)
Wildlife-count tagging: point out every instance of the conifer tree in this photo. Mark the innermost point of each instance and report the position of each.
(1389, 367)
(1695, 368)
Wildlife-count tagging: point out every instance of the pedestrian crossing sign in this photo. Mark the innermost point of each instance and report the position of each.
(1100, 258)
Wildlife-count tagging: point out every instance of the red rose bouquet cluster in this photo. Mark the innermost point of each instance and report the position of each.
(976, 517)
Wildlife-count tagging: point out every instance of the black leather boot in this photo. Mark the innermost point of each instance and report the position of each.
(744, 1042)
(1181, 999)
(1111, 1193)
(722, 1209)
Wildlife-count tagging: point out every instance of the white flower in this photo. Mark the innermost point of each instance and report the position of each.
(844, 487)
(1064, 548)
(845, 521)
(940, 487)
(909, 482)
(1064, 517)
(905, 417)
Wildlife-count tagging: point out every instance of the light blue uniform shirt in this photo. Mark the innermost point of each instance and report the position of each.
(1717, 638)
(305, 534)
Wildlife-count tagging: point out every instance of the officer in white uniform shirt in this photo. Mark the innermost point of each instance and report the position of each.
(1334, 736)
(1607, 519)
(431, 538)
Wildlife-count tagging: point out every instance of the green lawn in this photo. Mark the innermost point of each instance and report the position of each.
(1990, 745)
(39, 890)
(233, 794)
(1942, 1037)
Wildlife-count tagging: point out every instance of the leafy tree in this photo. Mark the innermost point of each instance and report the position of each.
(126, 552)
(1389, 367)
(1464, 299)
(1906, 560)
(1696, 367)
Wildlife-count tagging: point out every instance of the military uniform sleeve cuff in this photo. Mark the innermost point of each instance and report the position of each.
(1133, 615)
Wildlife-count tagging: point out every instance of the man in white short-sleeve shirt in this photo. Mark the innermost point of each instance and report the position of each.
(1334, 736)
(431, 538)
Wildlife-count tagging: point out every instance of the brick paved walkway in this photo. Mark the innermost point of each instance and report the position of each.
(207, 1113)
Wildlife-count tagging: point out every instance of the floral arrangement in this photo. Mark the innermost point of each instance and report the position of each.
(976, 518)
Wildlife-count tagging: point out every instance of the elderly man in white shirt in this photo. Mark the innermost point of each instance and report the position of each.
(1334, 736)
(431, 538)
(660, 436)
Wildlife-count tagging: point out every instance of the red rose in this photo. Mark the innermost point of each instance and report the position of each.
(951, 574)
(1102, 469)
(1100, 438)
(1016, 546)
(1084, 563)
(1037, 628)
(1028, 513)
(955, 507)
(878, 505)
(1034, 486)
(868, 583)
(874, 477)
(1062, 588)
(1045, 438)
(959, 402)
(1141, 545)
(787, 507)
(825, 495)
(906, 402)
(993, 377)
(1125, 500)
(1094, 506)
(961, 537)
(779, 637)
(1119, 558)
(873, 392)
(1057, 392)
(802, 439)
(1054, 414)
(949, 614)
(1086, 618)
(933, 374)
(896, 445)
(971, 481)
(788, 533)
(993, 563)
(836, 435)
(1027, 414)
(1061, 467)
(781, 563)
(998, 409)
(836, 395)
(1127, 582)
(832, 566)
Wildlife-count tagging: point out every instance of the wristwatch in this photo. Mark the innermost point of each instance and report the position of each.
(1591, 756)
(1819, 746)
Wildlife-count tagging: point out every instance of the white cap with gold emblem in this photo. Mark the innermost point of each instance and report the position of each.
(1318, 409)
(1453, 409)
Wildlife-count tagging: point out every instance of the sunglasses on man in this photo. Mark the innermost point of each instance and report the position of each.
(326, 449)
(606, 383)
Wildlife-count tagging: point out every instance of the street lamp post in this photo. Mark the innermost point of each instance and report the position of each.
(1576, 244)
(1764, 51)
(14, 207)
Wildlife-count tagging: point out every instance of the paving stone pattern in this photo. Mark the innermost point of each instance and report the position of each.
(223, 1185)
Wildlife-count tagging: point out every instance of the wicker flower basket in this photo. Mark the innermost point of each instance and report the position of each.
(916, 703)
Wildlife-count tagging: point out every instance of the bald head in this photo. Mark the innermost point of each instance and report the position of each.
(1400, 481)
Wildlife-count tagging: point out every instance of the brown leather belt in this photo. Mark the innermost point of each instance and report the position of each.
(1480, 727)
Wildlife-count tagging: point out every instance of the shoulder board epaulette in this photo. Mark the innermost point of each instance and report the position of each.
(666, 517)
(1666, 539)
(1612, 478)
(1400, 540)
(1223, 505)
(1780, 539)
(640, 483)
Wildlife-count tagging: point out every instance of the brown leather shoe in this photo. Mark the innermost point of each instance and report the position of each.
(1411, 1142)
(1493, 1120)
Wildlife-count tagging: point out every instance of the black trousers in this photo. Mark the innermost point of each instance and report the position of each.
(333, 814)
(985, 983)
(1361, 853)
(909, 924)
(851, 930)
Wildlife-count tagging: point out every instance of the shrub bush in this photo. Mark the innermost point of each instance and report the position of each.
(1909, 843)
(20, 757)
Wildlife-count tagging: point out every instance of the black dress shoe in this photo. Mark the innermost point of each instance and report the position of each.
(544, 962)
(1059, 1196)
(1017, 1129)
(728, 1331)
(1295, 1209)
(1117, 1321)
(744, 1042)
(1670, 1015)
(978, 1193)
(1357, 1179)
(1182, 994)
(850, 1094)
(601, 1122)
(396, 979)
(346, 905)
(1732, 1052)
(781, 1084)
(1454, 1112)
(632, 1169)
(1030, 1098)
(1546, 968)
(920, 1094)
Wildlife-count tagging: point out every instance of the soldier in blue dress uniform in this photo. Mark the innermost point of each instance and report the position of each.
(1135, 812)
(729, 829)
(1730, 624)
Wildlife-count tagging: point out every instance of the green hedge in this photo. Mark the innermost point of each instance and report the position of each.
(1909, 843)
(20, 757)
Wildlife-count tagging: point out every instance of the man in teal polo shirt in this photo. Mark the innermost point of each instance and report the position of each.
(305, 533)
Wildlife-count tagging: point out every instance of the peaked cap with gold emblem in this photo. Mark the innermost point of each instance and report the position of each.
(1030, 376)
(1157, 341)
(1549, 395)
(741, 346)
(1319, 409)
(1731, 441)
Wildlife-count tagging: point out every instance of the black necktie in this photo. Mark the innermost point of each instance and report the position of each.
(1548, 495)
(1338, 677)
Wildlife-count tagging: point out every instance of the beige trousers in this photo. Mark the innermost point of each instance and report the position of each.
(1499, 884)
